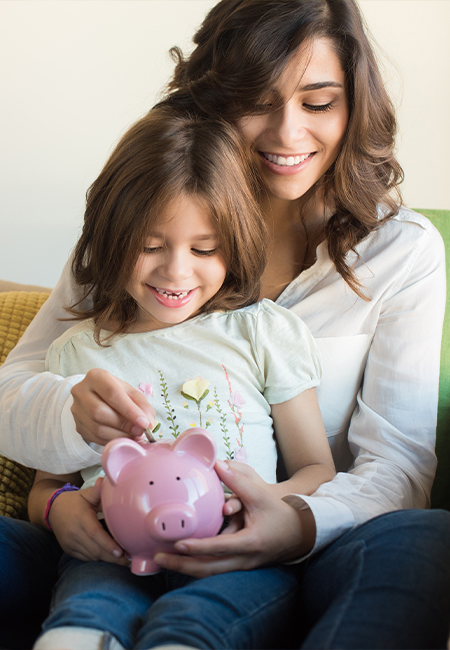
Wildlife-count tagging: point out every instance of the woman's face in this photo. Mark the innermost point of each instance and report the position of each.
(295, 145)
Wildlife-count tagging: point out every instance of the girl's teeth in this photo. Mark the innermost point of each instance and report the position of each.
(286, 162)
(171, 294)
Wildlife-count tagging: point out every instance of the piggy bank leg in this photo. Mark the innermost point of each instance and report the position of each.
(143, 566)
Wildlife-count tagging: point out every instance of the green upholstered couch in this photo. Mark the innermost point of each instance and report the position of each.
(19, 303)
(440, 496)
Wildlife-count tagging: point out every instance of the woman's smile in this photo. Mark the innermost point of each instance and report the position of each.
(286, 164)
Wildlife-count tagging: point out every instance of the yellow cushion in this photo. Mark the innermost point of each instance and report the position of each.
(17, 310)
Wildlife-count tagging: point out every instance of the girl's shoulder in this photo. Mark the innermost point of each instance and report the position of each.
(83, 329)
(261, 312)
(265, 321)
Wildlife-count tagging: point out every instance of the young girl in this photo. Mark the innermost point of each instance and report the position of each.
(172, 252)
(300, 80)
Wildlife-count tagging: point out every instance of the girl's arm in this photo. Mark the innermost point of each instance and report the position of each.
(73, 517)
(303, 444)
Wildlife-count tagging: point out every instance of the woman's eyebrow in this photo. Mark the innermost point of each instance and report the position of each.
(318, 85)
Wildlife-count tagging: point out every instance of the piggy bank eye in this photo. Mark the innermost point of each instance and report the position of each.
(151, 482)
(178, 478)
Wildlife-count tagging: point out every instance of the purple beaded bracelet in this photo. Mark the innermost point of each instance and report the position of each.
(68, 487)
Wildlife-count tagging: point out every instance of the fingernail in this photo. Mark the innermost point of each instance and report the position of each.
(223, 466)
(160, 560)
(181, 547)
(117, 553)
(143, 422)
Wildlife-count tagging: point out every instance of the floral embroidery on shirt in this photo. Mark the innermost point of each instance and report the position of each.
(174, 428)
(223, 425)
(196, 390)
(147, 389)
(235, 403)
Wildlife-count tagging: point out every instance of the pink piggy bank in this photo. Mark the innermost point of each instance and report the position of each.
(157, 493)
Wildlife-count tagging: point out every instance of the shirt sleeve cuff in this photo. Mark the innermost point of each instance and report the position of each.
(80, 452)
(333, 518)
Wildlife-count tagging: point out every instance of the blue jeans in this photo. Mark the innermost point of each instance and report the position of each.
(29, 557)
(385, 584)
(247, 609)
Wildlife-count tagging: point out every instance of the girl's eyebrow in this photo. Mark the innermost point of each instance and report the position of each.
(204, 237)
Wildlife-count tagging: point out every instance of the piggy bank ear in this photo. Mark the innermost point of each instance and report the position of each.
(117, 454)
(198, 443)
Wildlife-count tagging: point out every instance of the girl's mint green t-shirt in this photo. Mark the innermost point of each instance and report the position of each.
(219, 371)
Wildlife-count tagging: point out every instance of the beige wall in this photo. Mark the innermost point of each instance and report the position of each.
(74, 74)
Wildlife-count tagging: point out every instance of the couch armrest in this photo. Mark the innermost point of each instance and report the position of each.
(6, 285)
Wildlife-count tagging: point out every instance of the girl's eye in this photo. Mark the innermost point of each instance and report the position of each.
(152, 249)
(319, 108)
(204, 253)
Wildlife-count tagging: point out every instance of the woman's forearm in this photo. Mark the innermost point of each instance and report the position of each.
(33, 402)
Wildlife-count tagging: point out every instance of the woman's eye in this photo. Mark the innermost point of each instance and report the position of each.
(319, 108)
(263, 106)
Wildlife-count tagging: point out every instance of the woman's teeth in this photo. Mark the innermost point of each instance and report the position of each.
(172, 295)
(286, 161)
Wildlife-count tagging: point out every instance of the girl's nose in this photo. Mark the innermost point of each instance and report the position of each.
(176, 266)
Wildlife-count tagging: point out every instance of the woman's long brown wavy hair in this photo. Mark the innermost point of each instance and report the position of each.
(241, 49)
(162, 156)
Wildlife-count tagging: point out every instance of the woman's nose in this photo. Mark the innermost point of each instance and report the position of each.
(289, 126)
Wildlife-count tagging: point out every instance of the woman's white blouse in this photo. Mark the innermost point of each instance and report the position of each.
(378, 393)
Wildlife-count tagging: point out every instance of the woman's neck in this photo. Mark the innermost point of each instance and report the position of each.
(295, 228)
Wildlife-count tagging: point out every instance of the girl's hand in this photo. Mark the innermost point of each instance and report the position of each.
(73, 518)
(272, 531)
(105, 407)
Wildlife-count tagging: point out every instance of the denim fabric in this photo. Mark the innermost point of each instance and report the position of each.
(29, 557)
(385, 584)
(233, 610)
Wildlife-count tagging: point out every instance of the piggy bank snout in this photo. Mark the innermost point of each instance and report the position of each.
(172, 521)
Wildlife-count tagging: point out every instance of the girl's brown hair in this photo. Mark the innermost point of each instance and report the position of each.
(162, 156)
(241, 49)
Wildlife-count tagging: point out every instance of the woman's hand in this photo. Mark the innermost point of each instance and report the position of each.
(73, 518)
(272, 531)
(105, 407)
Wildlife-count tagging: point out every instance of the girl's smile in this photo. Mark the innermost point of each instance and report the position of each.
(180, 268)
(172, 299)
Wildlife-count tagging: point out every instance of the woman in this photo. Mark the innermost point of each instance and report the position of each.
(300, 80)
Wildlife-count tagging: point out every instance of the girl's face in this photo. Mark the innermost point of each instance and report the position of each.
(180, 268)
(295, 145)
